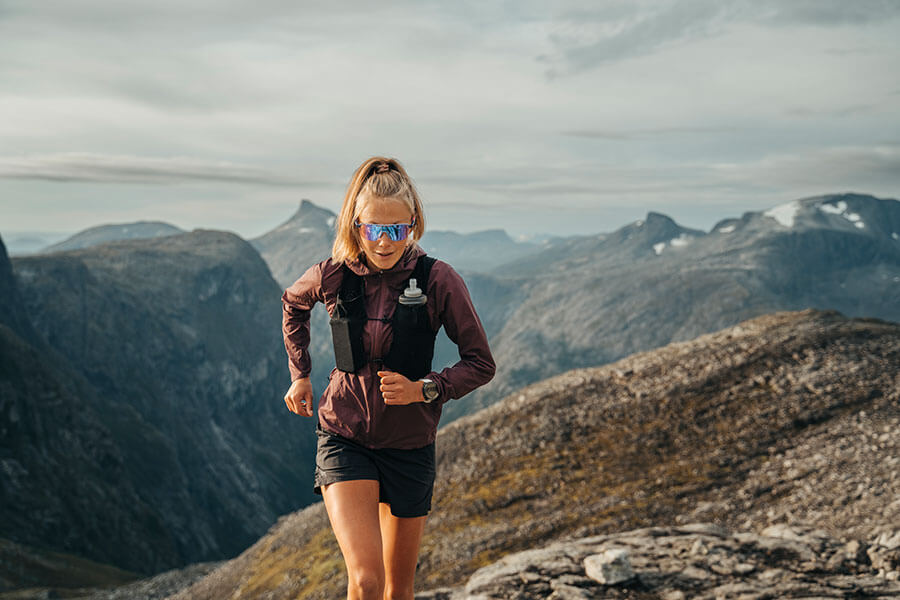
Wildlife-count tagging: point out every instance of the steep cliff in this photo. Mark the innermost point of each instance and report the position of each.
(178, 340)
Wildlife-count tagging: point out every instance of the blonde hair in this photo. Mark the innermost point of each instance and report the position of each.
(377, 178)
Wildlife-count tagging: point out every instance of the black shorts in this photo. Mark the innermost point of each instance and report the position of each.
(405, 477)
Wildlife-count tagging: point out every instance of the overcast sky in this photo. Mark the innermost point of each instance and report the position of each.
(533, 116)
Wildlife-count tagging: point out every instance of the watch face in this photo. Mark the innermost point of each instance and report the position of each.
(429, 390)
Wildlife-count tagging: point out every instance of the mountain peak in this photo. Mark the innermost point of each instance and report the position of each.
(114, 232)
(305, 238)
(847, 211)
(655, 217)
(656, 231)
(310, 213)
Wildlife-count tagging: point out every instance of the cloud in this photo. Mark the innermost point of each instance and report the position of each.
(840, 112)
(585, 39)
(875, 169)
(260, 98)
(580, 185)
(646, 133)
(194, 57)
(828, 13)
(839, 167)
(104, 168)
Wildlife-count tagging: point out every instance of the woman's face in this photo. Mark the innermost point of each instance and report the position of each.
(384, 252)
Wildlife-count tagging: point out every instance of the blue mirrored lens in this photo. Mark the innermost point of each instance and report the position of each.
(395, 232)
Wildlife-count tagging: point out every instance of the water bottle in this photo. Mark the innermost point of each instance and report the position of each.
(413, 346)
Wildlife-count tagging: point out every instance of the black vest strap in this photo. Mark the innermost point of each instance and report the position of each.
(412, 348)
(347, 323)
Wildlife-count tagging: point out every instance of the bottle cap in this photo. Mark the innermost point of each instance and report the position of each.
(413, 290)
(413, 296)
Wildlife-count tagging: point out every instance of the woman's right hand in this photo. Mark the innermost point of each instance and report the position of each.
(299, 397)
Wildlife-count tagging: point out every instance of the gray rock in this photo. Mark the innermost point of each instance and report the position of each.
(744, 565)
(609, 568)
(889, 540)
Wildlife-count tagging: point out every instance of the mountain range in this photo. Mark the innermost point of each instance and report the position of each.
(141, 420)
(590, 301)
(306, 238)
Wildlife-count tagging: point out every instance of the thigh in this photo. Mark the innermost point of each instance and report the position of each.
(352, 508)
(400, 538)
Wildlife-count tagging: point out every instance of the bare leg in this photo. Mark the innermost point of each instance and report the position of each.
(353, 510)
(401, 538)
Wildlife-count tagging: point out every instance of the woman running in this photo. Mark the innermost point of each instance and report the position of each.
(378, 416)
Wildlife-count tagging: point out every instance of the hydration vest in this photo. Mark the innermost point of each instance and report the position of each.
(412, 348)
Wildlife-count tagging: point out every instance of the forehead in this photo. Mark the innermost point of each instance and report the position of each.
(384, 211)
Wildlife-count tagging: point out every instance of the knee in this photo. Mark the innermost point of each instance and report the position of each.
(393, 592)
(366, 583)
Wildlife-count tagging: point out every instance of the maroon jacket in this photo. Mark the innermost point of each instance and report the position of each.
(351, 405)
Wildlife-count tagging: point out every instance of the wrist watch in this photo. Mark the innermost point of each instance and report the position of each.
(429, 390)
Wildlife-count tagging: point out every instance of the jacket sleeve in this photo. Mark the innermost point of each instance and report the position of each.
(457, 314)
(297, 302)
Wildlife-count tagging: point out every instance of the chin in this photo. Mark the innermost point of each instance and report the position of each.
(385, 262)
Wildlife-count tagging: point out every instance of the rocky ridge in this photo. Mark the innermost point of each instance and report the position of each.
(698, 561)
(699, 428)
(102, 234)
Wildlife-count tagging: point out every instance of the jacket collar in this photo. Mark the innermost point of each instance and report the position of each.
(405, 265)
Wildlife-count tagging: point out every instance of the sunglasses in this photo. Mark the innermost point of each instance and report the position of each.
(396, 232)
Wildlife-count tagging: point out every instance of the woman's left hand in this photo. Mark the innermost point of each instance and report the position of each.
(397, 390)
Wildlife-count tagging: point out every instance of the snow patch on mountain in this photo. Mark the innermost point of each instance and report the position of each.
(784, 214)
(679, 242)
(727, 229)
(834, 209)
(841, 209)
